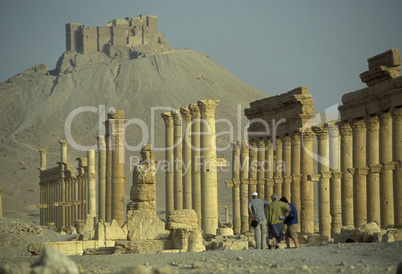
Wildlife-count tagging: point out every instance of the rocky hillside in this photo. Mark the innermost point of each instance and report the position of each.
(35, 105)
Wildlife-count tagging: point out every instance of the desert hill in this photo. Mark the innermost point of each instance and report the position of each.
(35, 105)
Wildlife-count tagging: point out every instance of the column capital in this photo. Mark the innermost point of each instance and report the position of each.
(207, 108)
(295, 137)
(186, 113)
(307, 135)
(359, 126)
(101, 142)
(63, 142)
(261, 143)
(286, 140)
(195, 111)
(244, 146)
(235, 147)
(372, 123)
(396, 113)
(118, 114)
(268, 142)
(321, 131)
(278, 142)
(345, 129)
(176, 117)
(385, 116)
(332, 128)
(167, 118)
(42, 151)
(252, 144)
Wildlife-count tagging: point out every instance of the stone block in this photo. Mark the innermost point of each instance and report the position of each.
(114, 232)
(145, 225)
(144, 174)
(142, 246)
(390, 58)
(143, 192)
(195, 241)
(224, 231)
(388, 237)
(228, 244)
(145, 205)
(184, 218)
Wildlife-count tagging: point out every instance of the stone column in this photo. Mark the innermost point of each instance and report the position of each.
(261, 165)
(286, 173)
(195, 161)
(397, 157)
(323, 184)
(209, 179)
(117, 134)
(269, 163)
(178, 160)
(185, 112)
(91, 183)
(278, 167)
(359, 178)
(335, 181)
(101, 177)
(236, 188)
(42, 158)
(347, 178)
(373, 178)
(306, 186)
(108, 178)
(295, 171)
(386, 186)
(169, 174)
(76, 200)
(1, 202)
(62, 194)
(252, 173)
(244, 198)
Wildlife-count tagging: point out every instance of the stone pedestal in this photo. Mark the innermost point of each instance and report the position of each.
(195, 161)
(101, 177)
(185, 112)
(295, 171)
(306, 186)
(386, 187)
(236, 188)
(373, 178)
(359, 178)
(117, 121)
(169, 174)
(397, 158)
(178, 160)
(347, 178)
(244, 198)
(209, 179)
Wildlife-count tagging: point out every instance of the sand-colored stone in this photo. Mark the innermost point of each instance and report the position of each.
(244, 192)
(185, 218)
(169, 174)
(91, 183)
(142, 246)
(269, 161)
(236, 188)
(178, 158)
(101, 177)
(187, 195)
(397, 157)
(286, 172)
(144, 225)
(278, 167)
(295, 171)
(195, 241)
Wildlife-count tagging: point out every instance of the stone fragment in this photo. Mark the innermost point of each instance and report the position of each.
(180, 238)
(36, 248)
(52, 261)
(224, 231)
(114, 232)
(142, 246)
(183, 218)
(388, 238)
(195, 241)
(144, 225)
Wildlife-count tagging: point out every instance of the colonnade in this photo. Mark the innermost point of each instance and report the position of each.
(190, 152)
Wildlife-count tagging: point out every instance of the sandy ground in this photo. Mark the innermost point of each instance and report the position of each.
(15, 236)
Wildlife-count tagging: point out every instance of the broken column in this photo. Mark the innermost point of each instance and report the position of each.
(195, 161)
(42, 158)
(347, 178)
(397, 158)
(169, 174)
(209, 179)
(386, 187)
(323, 184)
(186, 114)
(101, 177)
(373, 178)
(236, 188)
(306, 186)
(117, 134)
(244, 198)
(178, 160)
(91, 183)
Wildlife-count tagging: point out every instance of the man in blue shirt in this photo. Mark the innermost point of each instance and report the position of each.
(290, 220)
(256, 210)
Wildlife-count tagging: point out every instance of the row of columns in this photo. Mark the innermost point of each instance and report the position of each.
(190, 151)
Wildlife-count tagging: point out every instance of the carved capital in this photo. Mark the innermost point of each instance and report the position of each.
(63, 143)
(235, 147)
(261, 143)
(268, 142)
(385, 118)
(321, 132)
(101, 142)
(118, 114)
(186, 113)
(359, 126)
(397, 113)
(372, 123)
(167, 118)
(176, 117)
(278, 143)
(333, 129)
(307, 135)
(195, 111)
(252, 145)
(207, 108)
(244, 147)
(295, 138)
(286, 141)
(345, 129)
(42, 151)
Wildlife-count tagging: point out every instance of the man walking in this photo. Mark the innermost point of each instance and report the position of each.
(290, 220)
(273, 212)
(256, 210)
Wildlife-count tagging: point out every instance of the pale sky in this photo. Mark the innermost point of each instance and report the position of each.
(274, 46)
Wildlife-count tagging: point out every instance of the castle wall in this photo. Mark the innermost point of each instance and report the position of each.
(90, 40)
(104, 37)
(73, 37)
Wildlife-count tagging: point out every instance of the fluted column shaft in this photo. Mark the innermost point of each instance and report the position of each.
(269, 162)
(295, 171)
(286, 173)
(91, 183)
(195, 161)
(261, 165)
(1, 202)
(42, 158)
(278, 167)
(373, 178)
(187, 203)
(169, 175)
(101, 177)
(323, 184)
(252, 174)
(347, 177)
(236, 188)
(335, 181)
(178, 160)
(306, 186)
(209, 179)
(397, 157)
(359, 179)
(108, 179)
(244, 164)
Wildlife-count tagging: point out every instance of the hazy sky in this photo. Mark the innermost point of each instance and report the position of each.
(274, 46)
